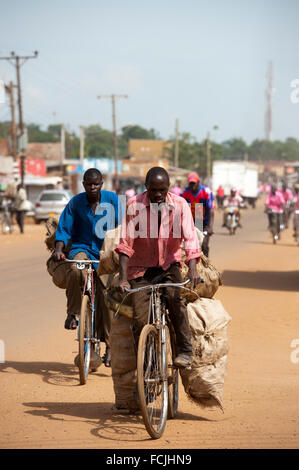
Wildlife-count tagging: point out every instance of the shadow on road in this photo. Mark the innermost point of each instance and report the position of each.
(265, 280)
(107, 422)
(54, 373)
(270, 242)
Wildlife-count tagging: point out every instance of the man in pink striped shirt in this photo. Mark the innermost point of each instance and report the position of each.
(155, 224)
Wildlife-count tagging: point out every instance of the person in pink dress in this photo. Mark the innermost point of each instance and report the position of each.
(274, 207)
(296, 210)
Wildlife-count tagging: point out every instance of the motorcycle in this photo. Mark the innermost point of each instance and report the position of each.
(232, 219)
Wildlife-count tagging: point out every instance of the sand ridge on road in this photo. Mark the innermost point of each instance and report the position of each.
(43, 405)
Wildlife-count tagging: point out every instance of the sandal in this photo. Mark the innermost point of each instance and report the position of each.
(70, 322)
(107, 358)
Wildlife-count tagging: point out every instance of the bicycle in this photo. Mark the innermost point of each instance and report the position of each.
(87, 334)
(157, 377)
(6, 219)
(274, 224)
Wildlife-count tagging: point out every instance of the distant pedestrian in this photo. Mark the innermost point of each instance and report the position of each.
(220, 197)
(20, 206)
(176, 189)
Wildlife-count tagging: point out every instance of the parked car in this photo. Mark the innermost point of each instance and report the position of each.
(50, 203)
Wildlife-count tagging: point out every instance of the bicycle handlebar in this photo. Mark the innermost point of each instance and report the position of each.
(158, 286)
(81, 261)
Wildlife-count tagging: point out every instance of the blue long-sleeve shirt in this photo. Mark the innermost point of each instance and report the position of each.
(85, 229)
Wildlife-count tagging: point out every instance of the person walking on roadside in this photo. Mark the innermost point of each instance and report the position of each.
(20, 206)
(220, 197)
(82, 226)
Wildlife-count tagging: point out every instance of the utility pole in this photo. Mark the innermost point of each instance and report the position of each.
(82, 136)
(15, 60)
(208, 154)
(269, 94)
(115, 143)
(176, 147)
(13, 132)
(17, 64)
(62, 148)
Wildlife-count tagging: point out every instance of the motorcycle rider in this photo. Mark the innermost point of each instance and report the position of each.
(197, 194)
(235, 200)
(288, 198)
(296, 210)
(274, 207)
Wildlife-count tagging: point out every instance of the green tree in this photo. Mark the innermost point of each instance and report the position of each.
(98, 142)
(234, 149)
(4, 129)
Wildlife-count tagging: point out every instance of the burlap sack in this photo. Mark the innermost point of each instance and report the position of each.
(123, 363)
(51, 225)
(211, 277)
(206, 270)
(56, 269)
(204, 383)
(109, 260)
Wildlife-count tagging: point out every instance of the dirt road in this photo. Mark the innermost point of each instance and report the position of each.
(43, 406)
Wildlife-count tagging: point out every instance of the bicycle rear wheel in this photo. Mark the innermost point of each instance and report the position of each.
(152, 381)
(84, 339)
(173, 376)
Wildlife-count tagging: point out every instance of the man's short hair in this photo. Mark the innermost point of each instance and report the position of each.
(92, 172)
(156, 171)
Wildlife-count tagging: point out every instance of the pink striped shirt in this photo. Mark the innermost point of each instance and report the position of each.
(142, 243)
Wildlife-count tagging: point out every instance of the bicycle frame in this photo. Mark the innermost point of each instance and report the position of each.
(89, 286)
(86, 331)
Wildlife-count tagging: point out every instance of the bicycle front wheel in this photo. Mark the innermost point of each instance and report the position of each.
(152, 381)
(84, 339)
(173, 375)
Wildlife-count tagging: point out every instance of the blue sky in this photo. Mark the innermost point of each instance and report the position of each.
(201, 62)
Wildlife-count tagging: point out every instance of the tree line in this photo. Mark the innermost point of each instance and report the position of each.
(192, 154)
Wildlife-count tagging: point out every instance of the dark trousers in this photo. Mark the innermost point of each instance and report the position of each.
(20, 220)
(74, 284)
(174, 302)
(274, 219)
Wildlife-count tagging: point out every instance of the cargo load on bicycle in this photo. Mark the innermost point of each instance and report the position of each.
(56, 269)
(204, 382)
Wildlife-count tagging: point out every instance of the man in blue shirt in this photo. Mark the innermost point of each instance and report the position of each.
(82, 228)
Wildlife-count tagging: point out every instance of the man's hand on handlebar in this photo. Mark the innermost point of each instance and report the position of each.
(58, 253)
(122, 285)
